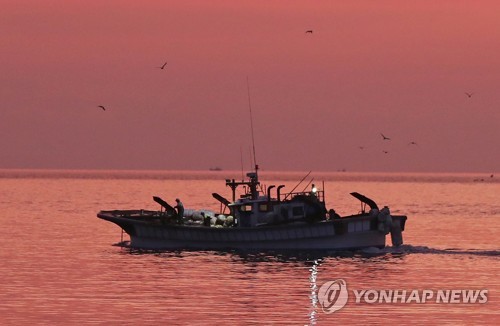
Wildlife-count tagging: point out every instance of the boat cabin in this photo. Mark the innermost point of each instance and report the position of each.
(256, 207)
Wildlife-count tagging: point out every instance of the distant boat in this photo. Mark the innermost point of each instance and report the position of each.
(260, 221)
(215, 169)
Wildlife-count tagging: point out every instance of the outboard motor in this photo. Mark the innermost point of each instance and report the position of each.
(388, 224)
(396, 233)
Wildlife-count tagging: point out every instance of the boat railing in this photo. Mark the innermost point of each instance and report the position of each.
(320, 195)
(137, 213)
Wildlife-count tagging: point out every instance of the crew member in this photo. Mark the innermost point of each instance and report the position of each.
(180, 210)
(314, 190)
(332, 214)
(206, 219)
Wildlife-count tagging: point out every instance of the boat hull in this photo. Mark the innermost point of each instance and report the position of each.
(342, 242)
(355, 232)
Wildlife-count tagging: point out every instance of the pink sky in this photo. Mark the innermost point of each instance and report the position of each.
(399, 68)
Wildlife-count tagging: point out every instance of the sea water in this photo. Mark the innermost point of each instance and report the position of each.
(62, 265)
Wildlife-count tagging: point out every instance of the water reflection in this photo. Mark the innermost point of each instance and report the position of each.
(282, 256)
(314, 292)
(283, 285)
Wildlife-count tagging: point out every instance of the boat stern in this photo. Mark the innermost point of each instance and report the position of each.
(397, 228)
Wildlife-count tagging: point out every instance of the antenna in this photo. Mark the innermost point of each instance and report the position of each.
(297, 185)
(241, 158)
(250, 156)
(251, 124)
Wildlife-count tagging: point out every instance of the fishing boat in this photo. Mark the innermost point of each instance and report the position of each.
(260, 219)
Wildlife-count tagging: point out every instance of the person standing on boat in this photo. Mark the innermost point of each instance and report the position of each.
(180, 210)
(314, 190)
(206, 219)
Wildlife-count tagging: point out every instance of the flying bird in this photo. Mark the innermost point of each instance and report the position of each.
(163, 66)
(469, 94)
(102, 107)
(384, 137)
(309, 31)
(385, 152)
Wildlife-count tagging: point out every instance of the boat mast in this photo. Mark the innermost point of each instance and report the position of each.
(253, 183)
(241, 159)
(251, 127)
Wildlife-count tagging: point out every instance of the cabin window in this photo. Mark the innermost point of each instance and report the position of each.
(263, 208)
(246, 208)
(298, 211)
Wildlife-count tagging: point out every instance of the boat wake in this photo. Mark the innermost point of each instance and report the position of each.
(124, 244)
(409, 249)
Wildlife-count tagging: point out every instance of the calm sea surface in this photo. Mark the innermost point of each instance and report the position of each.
(62, 265)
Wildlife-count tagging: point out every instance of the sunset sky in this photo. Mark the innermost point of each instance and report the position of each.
(320, 100)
